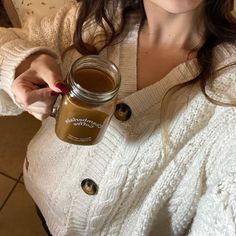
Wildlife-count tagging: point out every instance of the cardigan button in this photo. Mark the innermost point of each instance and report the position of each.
(122, 112)
(89, 187)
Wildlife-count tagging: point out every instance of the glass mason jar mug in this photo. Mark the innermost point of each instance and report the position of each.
(85, 111)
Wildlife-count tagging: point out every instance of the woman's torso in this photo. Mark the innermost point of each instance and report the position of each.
(136, 181)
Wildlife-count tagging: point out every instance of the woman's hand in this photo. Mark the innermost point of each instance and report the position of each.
(38, 83)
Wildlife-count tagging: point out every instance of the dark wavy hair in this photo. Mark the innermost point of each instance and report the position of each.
(219, 22)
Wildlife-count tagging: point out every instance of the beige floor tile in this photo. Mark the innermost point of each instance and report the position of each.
(18, 217)
(16, 133)
(22, 180)
(6, 184)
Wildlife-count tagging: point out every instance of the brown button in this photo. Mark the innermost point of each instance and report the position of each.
(89, 186)
(123, 112)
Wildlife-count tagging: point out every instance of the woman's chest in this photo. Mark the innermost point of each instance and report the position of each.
(153, 65)
(130, 157)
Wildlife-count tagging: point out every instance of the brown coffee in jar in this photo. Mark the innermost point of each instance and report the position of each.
(94, 80)
(86, 110)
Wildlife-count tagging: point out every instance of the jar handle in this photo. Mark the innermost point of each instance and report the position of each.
(55, 107)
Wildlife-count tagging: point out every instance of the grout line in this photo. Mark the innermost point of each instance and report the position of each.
(9, 194)
(19, 178)
(8, 176)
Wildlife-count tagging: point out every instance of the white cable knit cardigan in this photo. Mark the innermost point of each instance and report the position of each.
(190, 191)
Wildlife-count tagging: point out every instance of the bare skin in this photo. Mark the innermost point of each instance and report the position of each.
(167, 37)
(37, 84)
(169, 33)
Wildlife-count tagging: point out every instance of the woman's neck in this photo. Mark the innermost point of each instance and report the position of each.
(183, 30)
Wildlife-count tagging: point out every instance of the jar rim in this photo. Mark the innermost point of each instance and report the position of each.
(97, 97)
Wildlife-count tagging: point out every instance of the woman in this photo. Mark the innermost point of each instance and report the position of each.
(169, 168)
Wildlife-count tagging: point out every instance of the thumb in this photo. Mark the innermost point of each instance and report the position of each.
(55, 82)
(49, 70)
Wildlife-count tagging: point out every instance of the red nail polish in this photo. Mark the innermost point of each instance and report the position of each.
(54, 94)
(62, 87)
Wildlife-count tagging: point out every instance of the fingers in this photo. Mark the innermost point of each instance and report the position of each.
(40, 105)
(48, 69)
(37, 87)
(39, 116)
(45, 95)
(26, 92)
(37, 101)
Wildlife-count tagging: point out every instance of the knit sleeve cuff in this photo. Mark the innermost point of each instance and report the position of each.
(11, 55)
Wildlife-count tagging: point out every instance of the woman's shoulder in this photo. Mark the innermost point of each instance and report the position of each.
(224, 53)
(222, 84)
(66, 9)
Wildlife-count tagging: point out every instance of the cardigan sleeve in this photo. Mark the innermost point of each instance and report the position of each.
(216, 211)
(51, 35)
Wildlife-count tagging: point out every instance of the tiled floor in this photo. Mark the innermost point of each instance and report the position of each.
(17, 210)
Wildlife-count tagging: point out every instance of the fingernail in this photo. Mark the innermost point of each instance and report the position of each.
(62, 87)
(54, 94)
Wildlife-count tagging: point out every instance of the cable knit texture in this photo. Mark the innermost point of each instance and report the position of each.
(190, 191)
